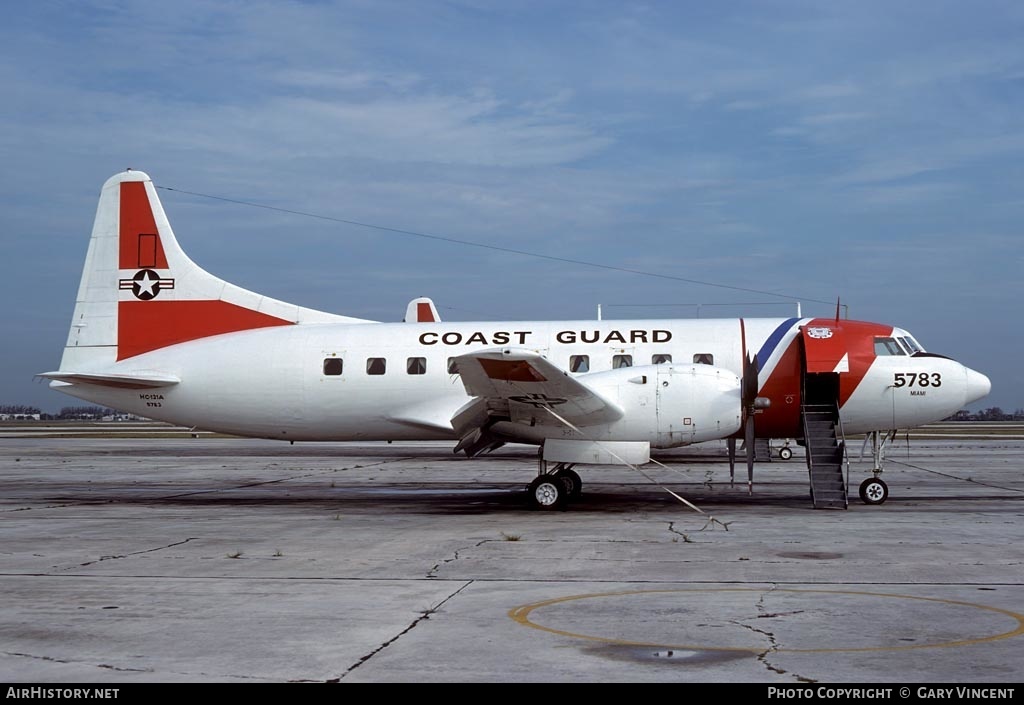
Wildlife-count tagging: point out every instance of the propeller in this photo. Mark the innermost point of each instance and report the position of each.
(751, 402)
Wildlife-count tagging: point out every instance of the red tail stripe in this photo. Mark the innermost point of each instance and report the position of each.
(138, 241)
(149, 325)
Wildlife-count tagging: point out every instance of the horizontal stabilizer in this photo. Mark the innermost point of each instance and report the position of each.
(148, 380)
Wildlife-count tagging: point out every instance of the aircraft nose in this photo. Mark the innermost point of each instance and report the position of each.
(978, 386)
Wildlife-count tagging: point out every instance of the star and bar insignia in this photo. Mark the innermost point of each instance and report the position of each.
(146, 284)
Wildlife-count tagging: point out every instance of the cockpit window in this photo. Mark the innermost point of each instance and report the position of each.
(888, 346)
(911, 345)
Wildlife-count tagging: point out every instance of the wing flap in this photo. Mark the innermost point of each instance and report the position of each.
(521, 382)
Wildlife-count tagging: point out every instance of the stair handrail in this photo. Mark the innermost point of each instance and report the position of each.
(846, 457)
(807, 437)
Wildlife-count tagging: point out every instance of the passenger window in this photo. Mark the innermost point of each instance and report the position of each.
(887, 346)
(376, 365)
(453, 367)
(333, 366)
(579, 363)
(416, 365)
(660, 359)
(703, 359)
(622, 361)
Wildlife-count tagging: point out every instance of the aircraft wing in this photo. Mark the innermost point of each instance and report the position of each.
(517, 385)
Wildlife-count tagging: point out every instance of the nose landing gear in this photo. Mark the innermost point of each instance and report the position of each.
(874, 490)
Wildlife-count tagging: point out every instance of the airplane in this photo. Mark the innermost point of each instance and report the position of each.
(154, 334)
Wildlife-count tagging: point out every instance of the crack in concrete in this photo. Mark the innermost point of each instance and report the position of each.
(425, 615)
(686, 537)
(124, 669)
(773, 644)
(437, 566)
(138, 553)
(83, 503)
(432, 573)
(133, 553)
(771, 615)
(35, 656)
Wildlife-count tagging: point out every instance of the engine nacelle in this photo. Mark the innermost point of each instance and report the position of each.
(671, 405)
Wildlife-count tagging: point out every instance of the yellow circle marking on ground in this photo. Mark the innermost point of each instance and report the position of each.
(522, 615)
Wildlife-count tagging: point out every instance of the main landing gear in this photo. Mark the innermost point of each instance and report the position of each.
(874, 490)
(552, 489)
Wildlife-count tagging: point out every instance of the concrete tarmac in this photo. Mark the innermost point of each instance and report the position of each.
(218, 560)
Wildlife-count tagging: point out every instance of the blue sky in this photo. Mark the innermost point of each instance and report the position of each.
(863, 150)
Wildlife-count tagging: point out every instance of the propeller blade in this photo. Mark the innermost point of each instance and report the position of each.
(731, 445)
(749, 381)
(749, 442)
(748, 390)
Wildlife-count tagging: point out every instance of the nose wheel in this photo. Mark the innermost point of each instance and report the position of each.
(873, 491)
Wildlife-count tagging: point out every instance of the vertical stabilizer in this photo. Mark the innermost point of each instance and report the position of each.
(140, 292)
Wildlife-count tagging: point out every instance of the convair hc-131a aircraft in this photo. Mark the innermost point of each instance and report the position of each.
(154, 334)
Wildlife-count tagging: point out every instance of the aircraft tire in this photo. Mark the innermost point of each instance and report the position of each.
(572, 481)
(873, 491)
(547, 492)
(785, 452)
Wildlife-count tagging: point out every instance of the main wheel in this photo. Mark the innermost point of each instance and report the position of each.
(873, 491)
(547, 492)
(785, 452)
(572, 481)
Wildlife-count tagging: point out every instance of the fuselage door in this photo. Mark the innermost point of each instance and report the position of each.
(824, 348)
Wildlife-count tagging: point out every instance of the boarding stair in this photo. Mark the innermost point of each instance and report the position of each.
(826, 455)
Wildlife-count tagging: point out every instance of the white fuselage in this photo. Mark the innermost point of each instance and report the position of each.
(271, 382)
